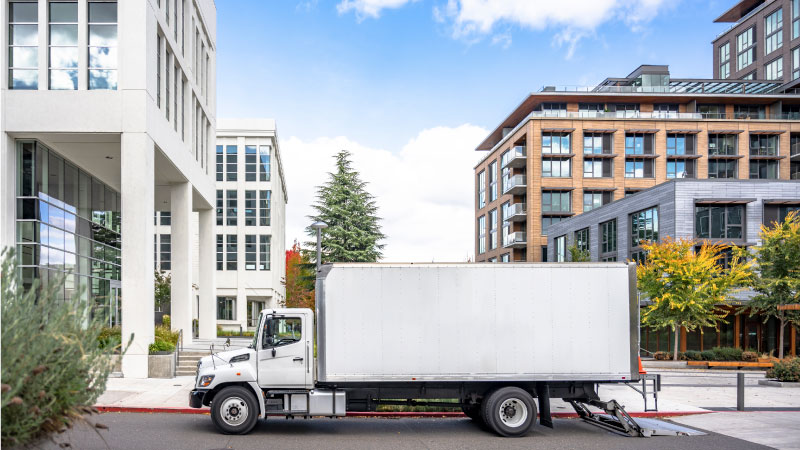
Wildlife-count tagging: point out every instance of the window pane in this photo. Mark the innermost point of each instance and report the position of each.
(24, 34)
(24, 57)
(24, 12)
(103, 35)
(103, 57)
(24, 79)
(63, 12)
(64, 79)
(63, 57)
(63, 34)
(105, 12)
(102, 79)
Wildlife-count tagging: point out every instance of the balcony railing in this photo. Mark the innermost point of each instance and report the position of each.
(515, 157)
(516, 212)
(515, 240)
(515, 185)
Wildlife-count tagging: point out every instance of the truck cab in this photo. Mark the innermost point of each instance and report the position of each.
(275, 374)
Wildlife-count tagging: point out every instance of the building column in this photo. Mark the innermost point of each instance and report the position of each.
(207, 310)
(182, 236)
(138, 204)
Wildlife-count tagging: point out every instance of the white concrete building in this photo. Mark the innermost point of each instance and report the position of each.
(251, 222)
(107, 113)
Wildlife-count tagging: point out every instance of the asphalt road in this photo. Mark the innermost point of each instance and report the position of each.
(196, 432)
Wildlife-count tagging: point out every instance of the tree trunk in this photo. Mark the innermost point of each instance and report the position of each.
(780, 339)
(676, 330)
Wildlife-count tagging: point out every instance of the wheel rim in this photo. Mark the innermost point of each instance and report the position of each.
(234, 411)
(513, 412)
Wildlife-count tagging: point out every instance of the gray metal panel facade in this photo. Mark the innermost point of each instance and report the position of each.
(675, 200)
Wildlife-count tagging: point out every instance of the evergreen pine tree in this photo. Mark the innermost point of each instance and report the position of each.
(349, 210)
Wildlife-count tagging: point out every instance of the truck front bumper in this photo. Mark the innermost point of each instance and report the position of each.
(196, 398)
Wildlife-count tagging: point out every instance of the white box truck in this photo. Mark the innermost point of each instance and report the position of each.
(498, 340)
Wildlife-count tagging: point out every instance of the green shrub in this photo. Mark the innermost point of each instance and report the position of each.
(110, 338)
(53, 369)
(161, 346)
(165, 334)
(785, 370)
(165, 320)
(750, 356)
(727, 354)
(661, 356)
(693, 355)
(707, 355)
(234, 333)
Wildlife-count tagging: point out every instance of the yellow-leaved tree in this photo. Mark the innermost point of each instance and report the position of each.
(686, 287)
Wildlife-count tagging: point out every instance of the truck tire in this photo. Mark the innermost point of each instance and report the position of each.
(509, 412)
(234, 410)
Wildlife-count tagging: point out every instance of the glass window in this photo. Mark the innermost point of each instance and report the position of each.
(763, 145)
(595, 199)
(220, 251)
(763, 169)
(680, 169)
(556, 167)
(749, 111)
(282, 331)
(745, 48)
(722, 144)
(550, 220)
(556, 143)
(796, 62)
(554, 109)
(231, 250)
(264, 207)
(264, 252)
(166, 217)
(231, 162)
(561, 248)
(711, 111)
(505, 257)
(625, 110)
(481, 189)
(773, 31)
(493, 229)
(608, 240)
(638, 168)
(23, 43)
(167, 84)
(232, 207)
(250, 208)
(505, 177)
(591, 109)
(481, 234)
(250, 252)
(507, 211)
(220, 163)
(774, 69)
(165, 252)
(493, 181)
(556, 201)
(597, 143)
(250, 162)
(795, 19)
(680, 144)
(220, 207)
(724, 60)
(264, 171)
(719, 222)
(638, 144)
(722, 168)
(226, 308)
(582, 239)
(597, 168)
(103, 46)
(63, 45)
(644, 227)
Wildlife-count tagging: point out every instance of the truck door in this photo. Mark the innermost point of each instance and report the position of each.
(282, 355)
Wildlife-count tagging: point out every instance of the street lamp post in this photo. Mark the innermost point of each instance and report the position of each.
(319, 226)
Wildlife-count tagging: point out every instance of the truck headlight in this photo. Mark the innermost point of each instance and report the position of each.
(205, 380)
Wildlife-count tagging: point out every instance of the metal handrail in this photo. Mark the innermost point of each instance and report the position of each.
(178, 349)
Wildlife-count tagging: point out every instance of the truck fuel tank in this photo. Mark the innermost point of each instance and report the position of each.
(325, 402)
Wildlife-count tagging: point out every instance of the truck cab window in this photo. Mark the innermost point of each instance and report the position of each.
(280, 331)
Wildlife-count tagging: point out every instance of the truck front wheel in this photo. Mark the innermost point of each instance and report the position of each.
(234, 410)
(509, 411)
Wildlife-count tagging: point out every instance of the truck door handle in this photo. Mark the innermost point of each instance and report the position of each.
(297, 359)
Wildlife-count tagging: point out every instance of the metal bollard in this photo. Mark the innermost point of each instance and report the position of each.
(740, 392)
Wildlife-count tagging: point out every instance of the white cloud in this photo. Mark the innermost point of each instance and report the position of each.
(571, 20)
(424, 192)
(369, 8)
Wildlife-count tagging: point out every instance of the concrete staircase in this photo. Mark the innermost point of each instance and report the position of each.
(187, 363)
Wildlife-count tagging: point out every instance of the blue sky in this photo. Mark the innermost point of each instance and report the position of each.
(376, 74)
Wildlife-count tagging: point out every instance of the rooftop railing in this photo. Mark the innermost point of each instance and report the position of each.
(676, 86)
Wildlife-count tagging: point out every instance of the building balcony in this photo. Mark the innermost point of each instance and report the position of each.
(515, 240)
(516, 185)
(517, 212)
(515, 158)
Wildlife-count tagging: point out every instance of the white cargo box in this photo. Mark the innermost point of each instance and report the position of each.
(472, 322)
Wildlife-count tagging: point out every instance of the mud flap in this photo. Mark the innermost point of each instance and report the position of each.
(543, 395)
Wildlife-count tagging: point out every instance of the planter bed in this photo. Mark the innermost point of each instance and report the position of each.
(730, 364)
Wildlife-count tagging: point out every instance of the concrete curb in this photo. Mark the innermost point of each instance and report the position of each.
(431, 414)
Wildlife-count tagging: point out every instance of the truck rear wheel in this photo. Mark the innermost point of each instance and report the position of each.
(234, 410)
(509, 411)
